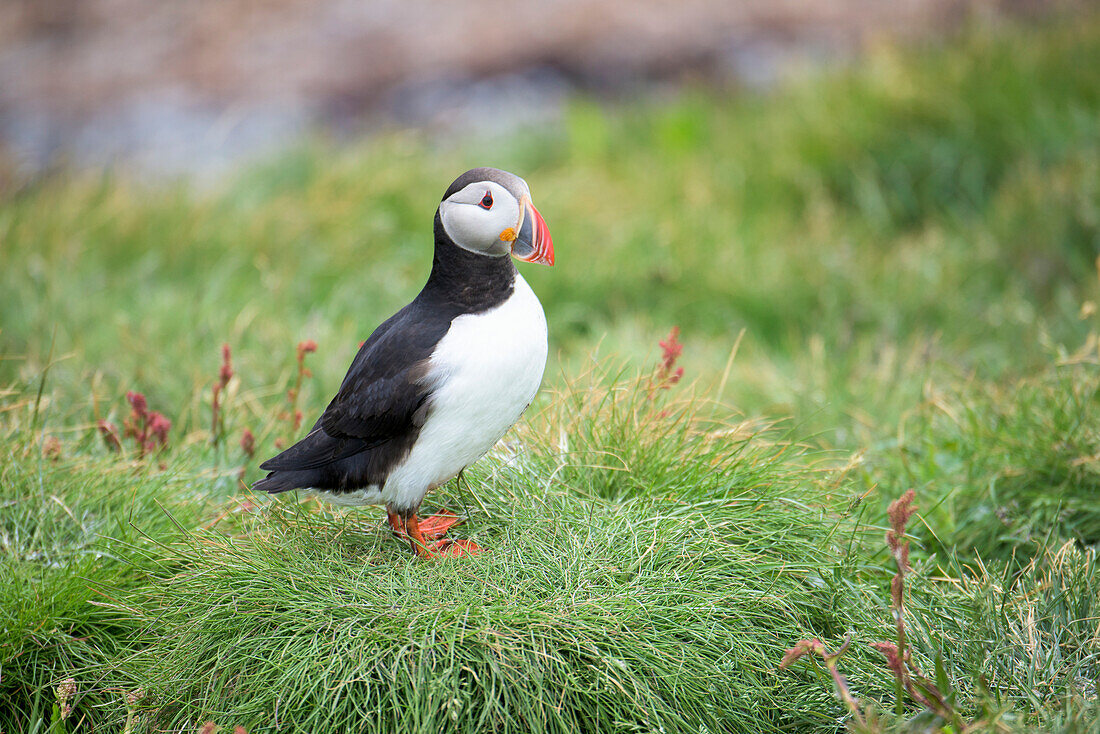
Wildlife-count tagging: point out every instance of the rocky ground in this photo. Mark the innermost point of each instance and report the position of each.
(179, 87)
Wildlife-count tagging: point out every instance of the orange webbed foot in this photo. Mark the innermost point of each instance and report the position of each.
(433, 527)
(437, 525)
(456, 548)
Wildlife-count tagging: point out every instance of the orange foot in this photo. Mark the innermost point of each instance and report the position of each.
(435, 527)
(455, 548)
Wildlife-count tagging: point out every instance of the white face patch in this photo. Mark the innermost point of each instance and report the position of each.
(475, 217)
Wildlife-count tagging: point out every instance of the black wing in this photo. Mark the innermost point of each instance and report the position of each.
(383, 400)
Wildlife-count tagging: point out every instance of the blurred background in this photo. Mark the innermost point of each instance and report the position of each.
(191, 87)
(868, 191)
(852, 183)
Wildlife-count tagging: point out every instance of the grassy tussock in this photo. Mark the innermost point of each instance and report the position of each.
(591, 611)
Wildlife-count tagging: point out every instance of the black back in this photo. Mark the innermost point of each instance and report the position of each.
(384, 400)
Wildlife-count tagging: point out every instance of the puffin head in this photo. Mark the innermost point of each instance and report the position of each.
(489, 211)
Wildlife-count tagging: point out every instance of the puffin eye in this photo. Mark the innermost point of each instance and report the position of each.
(486, 201)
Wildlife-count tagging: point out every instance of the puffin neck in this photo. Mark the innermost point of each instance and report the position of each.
(466, 279)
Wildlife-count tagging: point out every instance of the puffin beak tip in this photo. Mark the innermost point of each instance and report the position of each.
(533, 243)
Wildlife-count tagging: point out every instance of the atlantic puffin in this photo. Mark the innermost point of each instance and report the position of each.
(441, 381)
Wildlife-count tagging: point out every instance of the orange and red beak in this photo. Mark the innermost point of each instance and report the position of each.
(533, 243)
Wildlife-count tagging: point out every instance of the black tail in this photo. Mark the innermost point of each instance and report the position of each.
(276, 482)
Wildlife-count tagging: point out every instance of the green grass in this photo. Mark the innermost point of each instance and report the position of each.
(884, 279)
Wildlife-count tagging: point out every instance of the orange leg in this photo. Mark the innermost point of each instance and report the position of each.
(416, 537)
(396, 522)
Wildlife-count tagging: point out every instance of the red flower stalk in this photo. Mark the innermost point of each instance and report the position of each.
(307, 347)
(137, 403)
(898, 659)
(293, 414)
(248, 446)
(134, 426)
(893, 661)
(158, 428)
(671, 349)
(667, 373)
(225, 374)
(804, 647)
(248, 443)
(149, 430)
(900, 662)
(816, 648)
(899, 665)
(899, 513)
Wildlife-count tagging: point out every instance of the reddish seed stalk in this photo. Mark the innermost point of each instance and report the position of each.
(898, 658)
(217, 418)
(816, 648)
(842, 687)
(248, 443)
(295, 415)
(148, 428)
(899, 513)
(248, 446)
(667, 373)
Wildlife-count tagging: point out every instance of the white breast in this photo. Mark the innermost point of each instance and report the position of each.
(485, 372)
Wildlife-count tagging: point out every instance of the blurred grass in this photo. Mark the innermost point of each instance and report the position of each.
(908, 248)
(941, 198)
